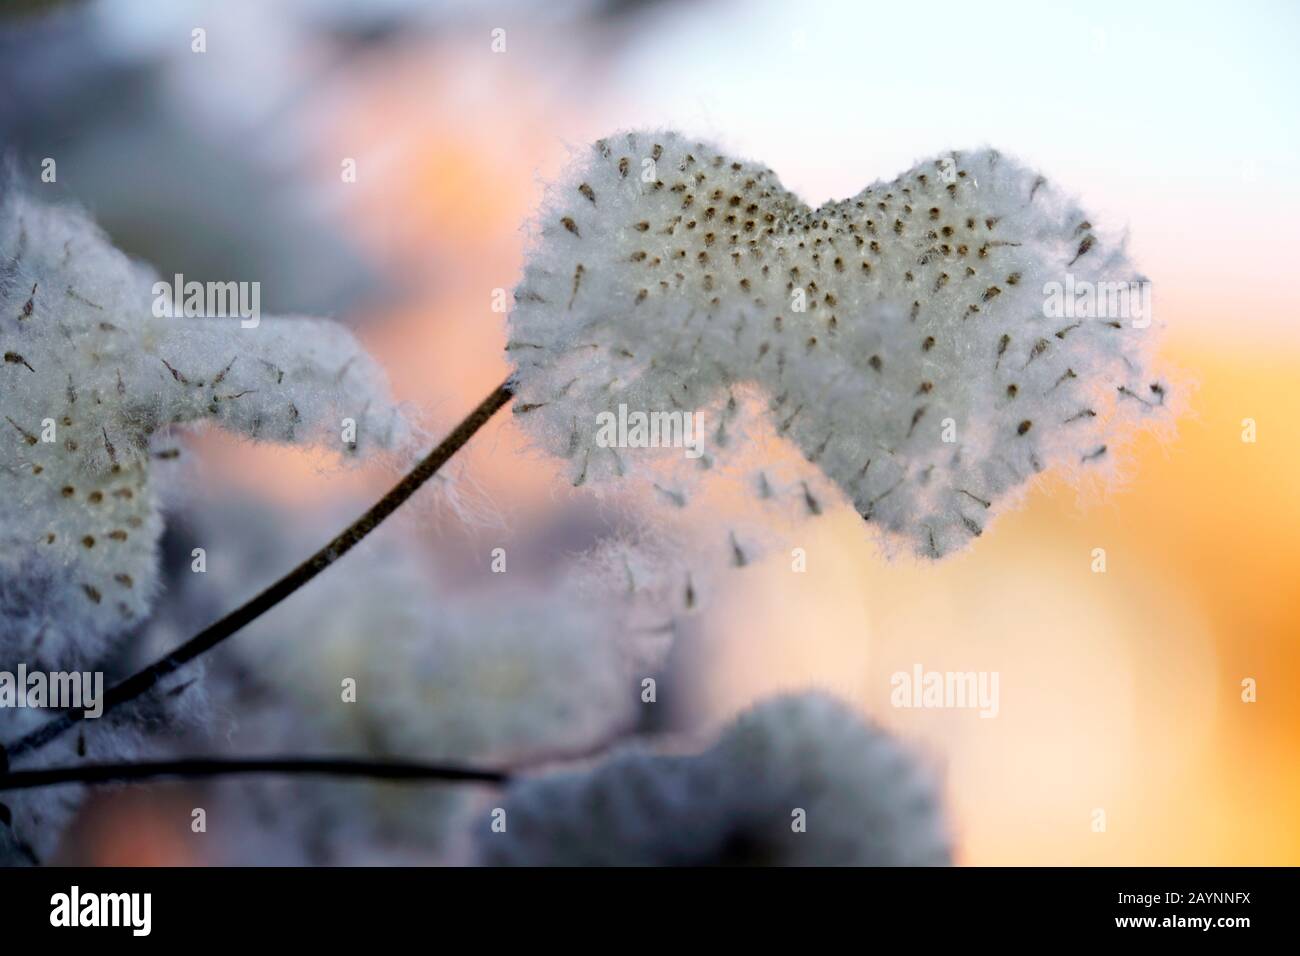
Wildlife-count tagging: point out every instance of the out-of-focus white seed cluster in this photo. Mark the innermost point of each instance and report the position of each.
(445, 676)
(797, 780)
(89, 378)
(900, 338)
(391, 664)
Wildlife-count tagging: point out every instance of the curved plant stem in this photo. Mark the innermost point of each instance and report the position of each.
(212, 635)
(195, 767)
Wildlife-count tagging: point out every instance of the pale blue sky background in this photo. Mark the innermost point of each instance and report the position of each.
(1176, 119)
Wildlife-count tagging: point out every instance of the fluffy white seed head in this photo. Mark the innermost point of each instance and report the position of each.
(90, 376)
(797, 780)
(32, 822)
(905, 339)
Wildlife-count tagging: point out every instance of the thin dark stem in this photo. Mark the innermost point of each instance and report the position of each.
(212, 635)
(195, 767)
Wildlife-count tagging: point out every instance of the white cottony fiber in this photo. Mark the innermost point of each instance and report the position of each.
(908, 340)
